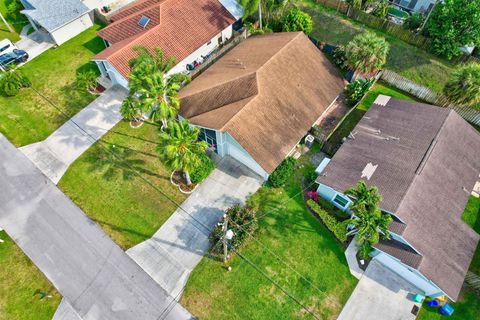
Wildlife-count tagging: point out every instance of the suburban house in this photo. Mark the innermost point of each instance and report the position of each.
(61, 19)
(423, 6)
(186, 30)
(425, 162)
(257, 102)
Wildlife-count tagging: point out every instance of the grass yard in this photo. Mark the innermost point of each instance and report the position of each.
(405, 59)
(355, 115)
(468, 305)
(21, 285)
(16, 23)
(127, 209)
(27, 117)
(294, 238)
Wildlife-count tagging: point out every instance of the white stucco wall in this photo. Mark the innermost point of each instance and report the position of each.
(114, 75)
(72, 29)
(410, 274)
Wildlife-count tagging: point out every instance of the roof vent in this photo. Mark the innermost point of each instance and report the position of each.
(143, 21)
(369, 170)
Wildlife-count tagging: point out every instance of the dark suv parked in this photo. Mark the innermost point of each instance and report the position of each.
(14, 57)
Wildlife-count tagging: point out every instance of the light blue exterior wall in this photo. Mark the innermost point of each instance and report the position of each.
(329, 194)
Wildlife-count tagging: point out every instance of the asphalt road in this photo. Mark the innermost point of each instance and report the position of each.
(89, 270)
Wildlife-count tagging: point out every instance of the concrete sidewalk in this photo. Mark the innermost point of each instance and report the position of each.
(379, 295)
(55, 154)
(179, 245)
(95, 276)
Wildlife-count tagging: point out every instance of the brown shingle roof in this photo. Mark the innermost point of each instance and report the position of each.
(266, 92)
(179, 27)
(425, 173)
(401, 251)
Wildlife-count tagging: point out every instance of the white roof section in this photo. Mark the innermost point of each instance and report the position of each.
(233, 7)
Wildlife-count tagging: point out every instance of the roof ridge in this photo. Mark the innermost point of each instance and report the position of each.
(298, 33)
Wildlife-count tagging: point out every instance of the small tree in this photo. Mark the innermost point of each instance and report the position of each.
(356, 90)
(179, 148)
(453, 24)
(11, 81)
(367, 52)
(131, 108)
(297, 20)
(280, 175)
(381, 9)
(87, 80)
(463, 88)
(363, 196)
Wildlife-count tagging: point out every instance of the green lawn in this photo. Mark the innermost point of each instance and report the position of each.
(16, 23)
(405, 59)
(27, 117)
(294, 238)
(354, 117)
(468, 305)
(21, 284)
(127, 209)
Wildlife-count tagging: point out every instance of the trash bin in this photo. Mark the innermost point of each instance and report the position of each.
(432, 303)
(446, 310)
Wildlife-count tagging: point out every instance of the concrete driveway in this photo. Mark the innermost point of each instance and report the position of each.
(35, 44)
(55, 154)
(380, 294)
(179, 245)
(95, 277)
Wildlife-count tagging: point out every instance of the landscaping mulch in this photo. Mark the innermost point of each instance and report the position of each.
(178, 178)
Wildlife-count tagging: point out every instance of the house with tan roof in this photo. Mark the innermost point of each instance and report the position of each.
(425, 162)
(186, 30)
(259, 100)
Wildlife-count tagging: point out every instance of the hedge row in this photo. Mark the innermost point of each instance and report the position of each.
(332, 224)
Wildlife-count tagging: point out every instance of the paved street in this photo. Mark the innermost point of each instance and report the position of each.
(55, 154)
(89, 270)
(380, 294)
(179, 245)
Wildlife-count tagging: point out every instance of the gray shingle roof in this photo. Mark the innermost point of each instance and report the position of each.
(52, 14)
(427, 162)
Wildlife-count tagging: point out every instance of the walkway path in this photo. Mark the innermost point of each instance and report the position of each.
(179, 245)
(380, 294)
(89, 270)
(55, 154)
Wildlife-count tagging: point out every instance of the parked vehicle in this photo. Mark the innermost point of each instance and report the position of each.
(6, 46)
(15, 57)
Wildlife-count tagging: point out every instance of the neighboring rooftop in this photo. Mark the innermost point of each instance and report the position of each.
(178, 27)
(426, 163)
(267, 92)
(53, 14)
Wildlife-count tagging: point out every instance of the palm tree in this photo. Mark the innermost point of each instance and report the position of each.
(131, 108)
(464, 86)
(87, 80)
(363, 196)
(180, 149)
(156, 91)
(366, 53)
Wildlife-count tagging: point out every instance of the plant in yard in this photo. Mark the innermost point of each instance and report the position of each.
(453, 24)
(272, 12)
(14, 8)
(297, 20)
(367, 53)
(179, 148)
(463, 88)
(363, 196)
(381, 9)
(279, 177)
(157, 93)
(356, 90)
(340, 58)
(309, 176)
(11, 81)
(331, 222)
(313, 195)
(242, 221)
(203, 170)
(414, 21)
(87, 80)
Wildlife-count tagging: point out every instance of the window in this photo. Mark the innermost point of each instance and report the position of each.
(342, 201)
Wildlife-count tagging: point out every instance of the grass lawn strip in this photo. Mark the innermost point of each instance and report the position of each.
(21, 286)
(108, 191)
(297, 239)
(27, 117)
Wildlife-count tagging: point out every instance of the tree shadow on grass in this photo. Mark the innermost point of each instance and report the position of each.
(94, 45)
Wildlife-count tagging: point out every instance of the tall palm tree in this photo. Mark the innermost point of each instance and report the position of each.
(156, 91)
(464, 85)
(131, 108)
(363, 196)
(367, 53)
(179, 148)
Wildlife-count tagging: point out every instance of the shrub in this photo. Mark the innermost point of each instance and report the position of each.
(339, 58)
(242, 221)
(87, 80)
(313, 195)
(336, 227)
(11, 81)
(414, 21)
(203, 170)
(309, 175)
(356, 90)
(297, 20)
(463, 87)
(280, 176)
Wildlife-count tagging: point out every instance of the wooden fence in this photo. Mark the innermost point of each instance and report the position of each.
(470, 114)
